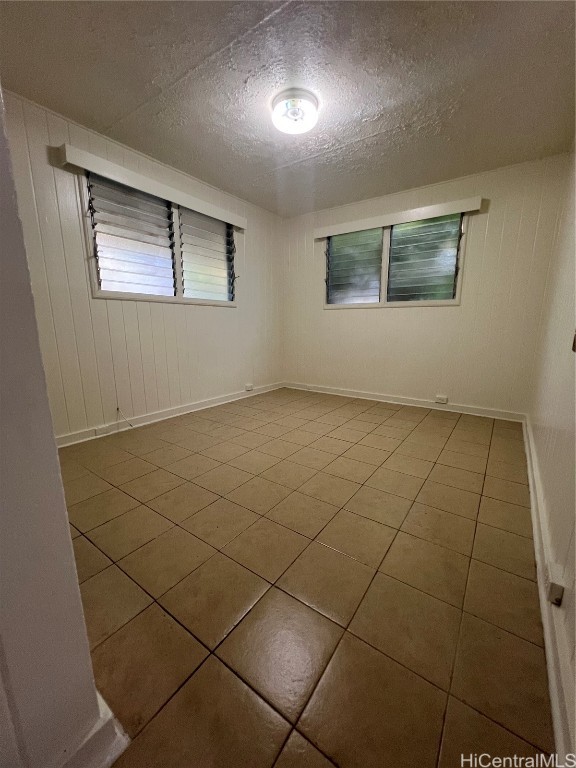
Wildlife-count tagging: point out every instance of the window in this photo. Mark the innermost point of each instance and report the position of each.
(146, 246)
(410, 262)
(207, 256)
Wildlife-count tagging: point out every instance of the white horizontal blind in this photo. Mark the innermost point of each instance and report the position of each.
(424, 259)
(207, 248)
(133, 239)
(354, 266)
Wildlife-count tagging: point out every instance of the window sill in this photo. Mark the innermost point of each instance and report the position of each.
(396, 304)
(162, 299)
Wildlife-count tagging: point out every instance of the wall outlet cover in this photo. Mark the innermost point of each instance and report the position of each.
(249, 387)
(441, 399)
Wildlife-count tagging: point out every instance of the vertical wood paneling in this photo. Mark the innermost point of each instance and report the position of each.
(139, 356)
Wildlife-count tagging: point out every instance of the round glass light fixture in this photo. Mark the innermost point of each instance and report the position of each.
(295, 111)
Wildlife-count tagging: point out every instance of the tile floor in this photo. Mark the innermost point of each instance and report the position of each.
(299, 579)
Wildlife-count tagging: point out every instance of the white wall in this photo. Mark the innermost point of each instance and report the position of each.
(142, 356)
(48, 703)
(480, 353)
(551, 421)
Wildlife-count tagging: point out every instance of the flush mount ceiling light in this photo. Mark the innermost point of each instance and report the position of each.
(295, 111)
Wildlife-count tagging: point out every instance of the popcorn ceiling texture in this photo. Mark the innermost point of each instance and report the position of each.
(410, 93)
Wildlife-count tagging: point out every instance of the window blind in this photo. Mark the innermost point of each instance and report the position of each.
(423, 262)
(207, 247)
(354, 265)
(133, 239)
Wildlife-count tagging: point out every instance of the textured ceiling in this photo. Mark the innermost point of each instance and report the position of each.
(411, 93)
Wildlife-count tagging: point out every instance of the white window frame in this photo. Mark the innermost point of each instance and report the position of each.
(384, 303)
(92, 262)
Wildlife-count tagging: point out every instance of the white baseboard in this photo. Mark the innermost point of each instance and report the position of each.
(150, 418)
(103, 745)
(456, 407)
(560, 676)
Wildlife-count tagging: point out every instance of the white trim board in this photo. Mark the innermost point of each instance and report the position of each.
(560, 680)
(401, 217)
(66, 154)
(103, 745)
(149, 418)
(492, 413)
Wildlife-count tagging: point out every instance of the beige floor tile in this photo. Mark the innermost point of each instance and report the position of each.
(449, 499)
(396, 483)
(259, 495)
(167, 454)
(163, 562)
(359, 426)
(312, 458)
(350, 469)
(505, 550)
(84, 488)
(89, 559)
(431, 439)
(380, 441)
(364, 707)
(272, 430)
(504, 677)
(223, 479)
(345, 433)
(409, 465)
(510, 451)
(467, 732)
(182, 502)
(300, 437)
(72, 470)
(332, 445)
(368, 455)
(418, 451)
(506, 490)
(455, 445)
(380, 506)
(110, 599)
(251, 440)
(457, 478)
(479, 436)
(303, 514)
(398, 423)
(192, 466)
(509, 517)
(333, 419)
(443, 528)
(96, 455)
(226, 432)
(74, 532)
(396, 432)
(462, 461)
(214, 720)
(317, 428)
(289, 474)
(125, 471)
(292, 422)
(214, 598)
(254, 462)
(333, 490)
(299, 753)
(412, 627)
(280, 448)
(224, 451)
(358, 537)
(266, 548)
(142, 665)
(327, 581)
(99, 509)
(220, 522)
(438, 571)
(282, 665)
(504, 599)
(514, 472)
(196, 442)
(126, 533)
(152, 485)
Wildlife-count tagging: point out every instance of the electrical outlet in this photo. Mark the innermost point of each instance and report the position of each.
(248, 387)
(441, 399)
